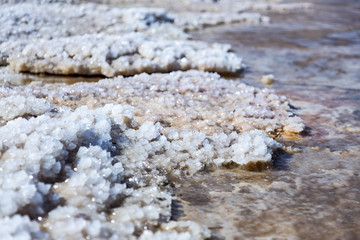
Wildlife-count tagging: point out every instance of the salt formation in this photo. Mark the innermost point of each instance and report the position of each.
(112, 55)
(92, 160)
(99, 174)
(45, 39)
(20, 227)
(26, 20)
(190, 100)
(17, 106)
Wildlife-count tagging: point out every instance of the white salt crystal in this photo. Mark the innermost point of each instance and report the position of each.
(138, 54)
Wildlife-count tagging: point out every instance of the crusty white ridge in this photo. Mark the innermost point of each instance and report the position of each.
(112, 55)
(192, 100)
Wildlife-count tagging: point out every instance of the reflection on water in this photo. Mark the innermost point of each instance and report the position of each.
(313, 194)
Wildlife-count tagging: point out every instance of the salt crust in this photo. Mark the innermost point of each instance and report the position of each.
(20, 227)
(16, 106)
(112, 55)
(199, 6)
(53, 25)
(30, 20)
(191, 100)
(98, 174)
(8, 75)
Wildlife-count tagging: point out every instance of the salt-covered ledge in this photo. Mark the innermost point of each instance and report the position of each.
(112, 55)
(192, 100)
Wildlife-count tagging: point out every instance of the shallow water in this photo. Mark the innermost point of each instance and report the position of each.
(314, 193)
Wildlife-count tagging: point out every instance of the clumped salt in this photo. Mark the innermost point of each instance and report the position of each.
(112, 55)
(92, 174)
(16, 106)
(20, 227)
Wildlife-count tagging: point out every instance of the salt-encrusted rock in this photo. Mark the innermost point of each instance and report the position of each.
(112, 55)
(190, 100)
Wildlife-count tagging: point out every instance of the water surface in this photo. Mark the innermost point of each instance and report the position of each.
(313, 193)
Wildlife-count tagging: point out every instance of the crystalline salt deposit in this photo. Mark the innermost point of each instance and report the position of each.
(111, 55)
(64, 166)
